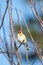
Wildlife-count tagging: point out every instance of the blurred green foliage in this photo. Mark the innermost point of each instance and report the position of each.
(36, 35)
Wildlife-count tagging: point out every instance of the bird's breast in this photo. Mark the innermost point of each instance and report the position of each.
(22, 39)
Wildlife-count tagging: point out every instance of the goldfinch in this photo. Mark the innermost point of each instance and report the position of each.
(22, 38)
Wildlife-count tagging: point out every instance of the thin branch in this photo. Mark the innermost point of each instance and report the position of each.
(12, 32)
(41, 6)
(0, 12)
(16, 49)
(10, 26)
(10, 41)
(3, 42)
(26, 25)
(3, 52)
(6, 43)
(4, 14)
(18, 18)
(36, 49)
(35, 12)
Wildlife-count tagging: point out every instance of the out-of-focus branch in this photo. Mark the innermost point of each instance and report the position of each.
(18, 18)
(6, 43)
(12, 51)
(4, 14)
(12, 33)
(26, 25)
(6, 50)
(36, 49)
(40, 22)
(3, 52)
(28, 32)
(33, 8)
(3, 42)
(10, 26)
(39, 55)
(41, 6)
(0, 12)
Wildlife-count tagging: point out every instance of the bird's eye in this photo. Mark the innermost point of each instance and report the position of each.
(19, 31)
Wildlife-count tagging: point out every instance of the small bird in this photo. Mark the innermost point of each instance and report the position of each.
(22, 39)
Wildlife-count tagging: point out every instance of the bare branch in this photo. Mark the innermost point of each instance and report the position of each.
(4, 14)
(36, 49)
(26, 25)
(3, 42)
(35, 12)
(12, 32)
(14, 50)
(41, 6)
(18, 18)
(10, 26)
(3, 52)
(6, 43)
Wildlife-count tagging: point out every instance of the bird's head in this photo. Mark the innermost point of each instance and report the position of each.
(20, 32)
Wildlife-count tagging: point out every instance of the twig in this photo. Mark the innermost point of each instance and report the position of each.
(4, 14)
(36, 49)
(40, 6)
(3, 42)
(10, 26)
(18, 18)
(12, 32)
(3, 52)
(35, 12)
(6, 43)
(26, 25)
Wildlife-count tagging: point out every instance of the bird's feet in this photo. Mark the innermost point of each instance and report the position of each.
(27, 48)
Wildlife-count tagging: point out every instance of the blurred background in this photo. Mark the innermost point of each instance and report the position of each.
(31, 22)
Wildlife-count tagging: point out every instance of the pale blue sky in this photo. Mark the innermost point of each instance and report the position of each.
(19, 4)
